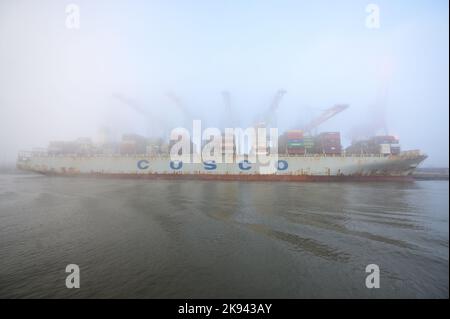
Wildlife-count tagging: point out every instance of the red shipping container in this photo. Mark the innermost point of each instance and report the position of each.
(330, 136)
(296, 151)
(329, 140)
(332, 150)
(296, 135)
(127, 148)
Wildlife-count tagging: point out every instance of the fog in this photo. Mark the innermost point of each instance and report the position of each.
(116, 69)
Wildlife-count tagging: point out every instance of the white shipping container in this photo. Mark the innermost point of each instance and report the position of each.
(385, 148)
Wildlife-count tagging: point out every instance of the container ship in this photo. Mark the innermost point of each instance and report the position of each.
(300, 157)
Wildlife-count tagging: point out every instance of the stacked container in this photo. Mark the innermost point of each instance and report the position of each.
(295, 142)
(385, 148)
(385, 144)
(134, 143)
(309, 144)
(395, 149)
(328, 143)
(384, 139)
(128, 147)
(282, 144)
(167, 148)
(84, 146)
(228, 144)
(68, 148)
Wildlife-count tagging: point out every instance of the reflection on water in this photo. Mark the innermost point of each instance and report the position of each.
(164, 239)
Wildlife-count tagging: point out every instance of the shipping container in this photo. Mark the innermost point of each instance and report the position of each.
(385, 149)
(295, 140)
(294, 134)
(61, 147)
(395, 150)
(309, 143)
(330, 135)
(127, 147)
(331, 150)
(385, 139)
(296, 151)
(328, 143)
(385, 144)
(164, 148)
(295, 144)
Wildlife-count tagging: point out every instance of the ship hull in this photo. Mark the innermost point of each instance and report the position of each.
(286, 168)
(241, 177)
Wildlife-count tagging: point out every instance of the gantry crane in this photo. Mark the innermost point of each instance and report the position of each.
(229, 120)
(151, 118)
(181, 107)
(269, 115)
(325, 116)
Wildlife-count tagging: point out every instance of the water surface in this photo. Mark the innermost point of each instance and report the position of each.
(203, 239)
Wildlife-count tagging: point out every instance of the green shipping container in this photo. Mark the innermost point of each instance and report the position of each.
(295, 144)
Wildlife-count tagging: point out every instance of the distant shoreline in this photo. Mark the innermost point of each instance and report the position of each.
(431, 174)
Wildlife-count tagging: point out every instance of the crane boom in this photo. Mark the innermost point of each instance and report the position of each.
(151, 118)
(132, 103)
(269, 114)
(276, 100)
(325, 116)
(229, 118)
(274, 105)
(179, 104)
(226, 98)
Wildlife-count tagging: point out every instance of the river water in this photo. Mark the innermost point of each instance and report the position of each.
(202, 239)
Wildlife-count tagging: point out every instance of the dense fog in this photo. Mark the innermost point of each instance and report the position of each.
(113, 68)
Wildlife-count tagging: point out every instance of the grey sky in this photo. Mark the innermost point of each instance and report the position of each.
(57, 83)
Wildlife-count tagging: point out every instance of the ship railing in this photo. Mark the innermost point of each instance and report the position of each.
(411, 153)
(24, 153)
(52, 154)
(164, 155)
(23, 156)
(33, 153)
(334, 155)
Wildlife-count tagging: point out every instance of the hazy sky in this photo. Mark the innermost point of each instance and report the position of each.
(58, 83)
